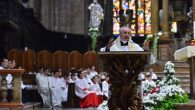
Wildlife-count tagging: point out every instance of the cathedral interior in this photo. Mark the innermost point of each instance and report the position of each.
(56, 34)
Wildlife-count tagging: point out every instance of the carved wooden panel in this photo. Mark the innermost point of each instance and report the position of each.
(44, 59)
(16, 55)
(59, 60)
(75, 60)
(29, 60)
(90, 58)
(123, 69)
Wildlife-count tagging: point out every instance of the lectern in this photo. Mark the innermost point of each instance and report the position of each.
(124, 68)
(17, 94)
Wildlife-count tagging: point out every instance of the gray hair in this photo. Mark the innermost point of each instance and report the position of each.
(122, 29)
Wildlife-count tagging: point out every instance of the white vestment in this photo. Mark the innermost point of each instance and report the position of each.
(82, 88)
(105, 88)
(92, 74)
(65, 91)
(56, 85)
(130, 47)
(153, 76)
(43, 89)
(96, 88)
(9, 79)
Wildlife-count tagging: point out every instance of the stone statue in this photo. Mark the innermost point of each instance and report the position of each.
(96, 14)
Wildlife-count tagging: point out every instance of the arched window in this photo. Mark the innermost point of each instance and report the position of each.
(136, 14)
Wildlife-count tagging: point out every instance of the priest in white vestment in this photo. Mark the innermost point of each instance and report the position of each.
(123, 42)
(43, 87)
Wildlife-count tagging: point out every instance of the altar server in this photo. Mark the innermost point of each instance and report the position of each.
(58, 87)
(88, 98)
(43, 87)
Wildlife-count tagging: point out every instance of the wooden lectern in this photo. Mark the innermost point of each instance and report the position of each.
(17, 93)
(124, 68)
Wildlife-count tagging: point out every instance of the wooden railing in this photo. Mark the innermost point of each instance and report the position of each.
(17, 94)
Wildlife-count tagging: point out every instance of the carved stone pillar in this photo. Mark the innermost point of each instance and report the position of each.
(155, 21)
(165, 26)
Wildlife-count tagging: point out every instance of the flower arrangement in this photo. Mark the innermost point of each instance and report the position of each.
(147, 43)
(166, 93)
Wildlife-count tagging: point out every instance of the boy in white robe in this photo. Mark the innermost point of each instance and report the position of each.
(43, 87)
(88, 98)
(105, 88)
(92, 72)
(57, 87)
(96, 87)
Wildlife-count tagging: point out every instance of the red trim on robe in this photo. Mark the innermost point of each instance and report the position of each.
(91, 100)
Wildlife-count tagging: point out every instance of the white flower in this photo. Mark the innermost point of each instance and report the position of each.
(160, 33)
(149, 36)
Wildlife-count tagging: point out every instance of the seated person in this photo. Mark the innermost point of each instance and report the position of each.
(58, 89)
(123, 42)
(92, 72)
(105, 88)
(153, 75)
(88, 97)
(148, 83)
(96, 87)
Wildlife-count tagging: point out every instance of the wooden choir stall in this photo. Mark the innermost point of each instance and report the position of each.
(124, 68)
(16, 99)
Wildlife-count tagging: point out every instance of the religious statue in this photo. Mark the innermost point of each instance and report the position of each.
(96, 15)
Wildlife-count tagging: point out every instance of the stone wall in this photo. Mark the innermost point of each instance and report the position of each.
(64, 15)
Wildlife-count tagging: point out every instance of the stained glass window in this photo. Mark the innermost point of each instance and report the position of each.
(141, 18)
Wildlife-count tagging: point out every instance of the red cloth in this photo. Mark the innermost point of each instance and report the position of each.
(100, 99)
(91, 100)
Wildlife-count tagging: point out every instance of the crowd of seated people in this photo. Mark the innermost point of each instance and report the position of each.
(89, 90)
(53, 87)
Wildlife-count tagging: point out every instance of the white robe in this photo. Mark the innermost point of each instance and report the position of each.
(56, 85)
(82, 88)
(9, 79)
(65, 91)
(105, 88)
(117, 46)
(96, 88)
(154, 77)
(43, 89)
(92, 74)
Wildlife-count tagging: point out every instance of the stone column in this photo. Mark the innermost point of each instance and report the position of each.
(155, 17)
(166, 18)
